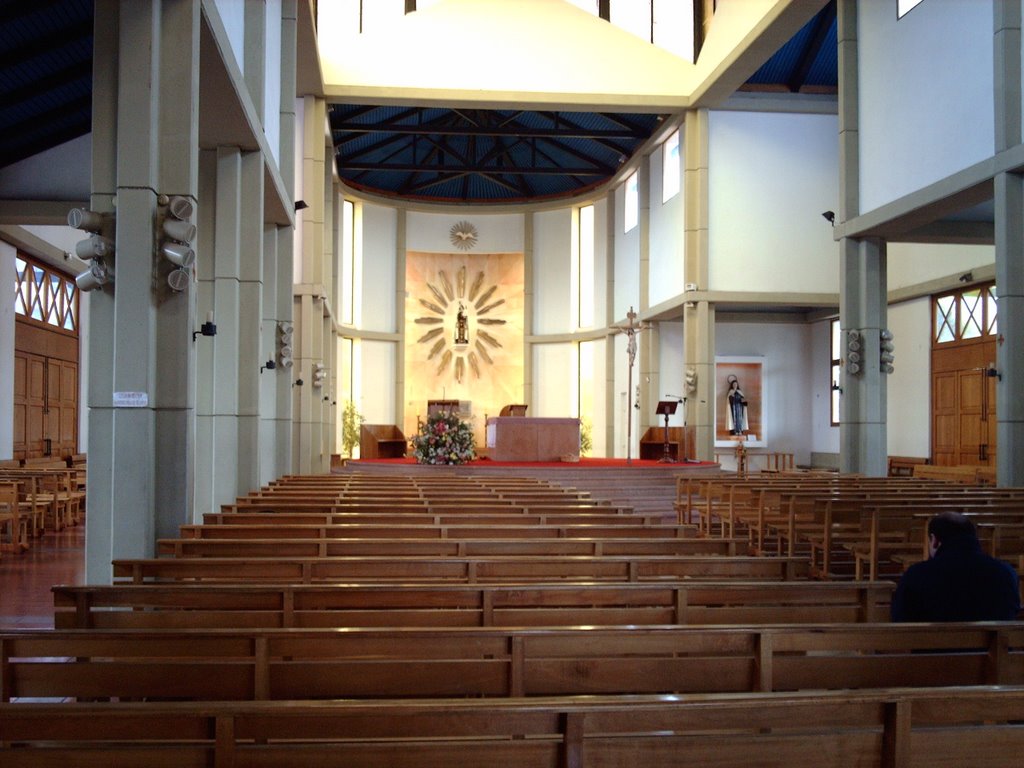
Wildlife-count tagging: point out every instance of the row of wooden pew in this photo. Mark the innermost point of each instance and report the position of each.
(849, 527)
(454, 634)
(37, 495)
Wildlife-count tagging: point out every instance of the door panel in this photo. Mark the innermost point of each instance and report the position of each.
(963, 405)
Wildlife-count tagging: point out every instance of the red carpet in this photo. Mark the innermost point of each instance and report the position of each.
(583, 463)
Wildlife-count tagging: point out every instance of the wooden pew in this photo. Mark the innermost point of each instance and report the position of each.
(183, 605)
(322, 546)
(423, 663)
(458, 569)
(957, 726)
(440, 528)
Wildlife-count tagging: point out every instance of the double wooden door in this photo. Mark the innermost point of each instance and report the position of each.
(45, 400)
(964, 405)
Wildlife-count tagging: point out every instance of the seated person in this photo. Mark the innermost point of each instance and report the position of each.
(958, 582)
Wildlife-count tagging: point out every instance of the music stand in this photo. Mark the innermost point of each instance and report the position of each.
(666, 408)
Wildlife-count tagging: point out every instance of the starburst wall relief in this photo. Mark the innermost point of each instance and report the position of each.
(463, 331)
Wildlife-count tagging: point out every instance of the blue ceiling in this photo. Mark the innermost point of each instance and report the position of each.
(416, 153)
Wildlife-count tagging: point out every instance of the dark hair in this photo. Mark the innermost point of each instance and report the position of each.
(951, 525)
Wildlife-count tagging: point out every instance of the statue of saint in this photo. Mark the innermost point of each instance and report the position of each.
(461, 326)
(736, 419)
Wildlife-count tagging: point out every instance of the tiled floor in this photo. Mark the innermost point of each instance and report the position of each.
(26, 577)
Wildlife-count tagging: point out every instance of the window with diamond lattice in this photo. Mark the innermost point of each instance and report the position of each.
(969, 313)
(44, 295)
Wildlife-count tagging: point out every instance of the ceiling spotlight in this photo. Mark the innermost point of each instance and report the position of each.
(830, 217)
(94, 247)
(178, 279)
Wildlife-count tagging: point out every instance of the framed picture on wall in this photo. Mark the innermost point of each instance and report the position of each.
(739, 401)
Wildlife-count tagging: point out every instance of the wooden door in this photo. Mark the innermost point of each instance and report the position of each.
(964, 406)
(30, 418)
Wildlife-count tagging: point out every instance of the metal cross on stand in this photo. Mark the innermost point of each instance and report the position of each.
(631, 330)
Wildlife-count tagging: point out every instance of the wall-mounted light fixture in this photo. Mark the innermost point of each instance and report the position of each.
(836, 387)
(298, 383)
(268, 366)
(830, 217)
(96, 276)
(991, 372)
(966, 277)
(301, 205)
(206, 329)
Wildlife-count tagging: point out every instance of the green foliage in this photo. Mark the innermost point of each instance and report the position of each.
(586, 437)
(444, 438)
(350, 423)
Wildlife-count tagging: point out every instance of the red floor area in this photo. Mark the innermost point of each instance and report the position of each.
(583, 463)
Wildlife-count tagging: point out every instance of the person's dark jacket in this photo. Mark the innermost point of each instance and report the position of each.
(959, 583)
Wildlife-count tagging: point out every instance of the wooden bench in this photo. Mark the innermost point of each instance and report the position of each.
(967, 475)
(459, 569)
(957, 726)
(270, 545)
(293, 664)
(182, 605)
(444, 527)
(903, 466)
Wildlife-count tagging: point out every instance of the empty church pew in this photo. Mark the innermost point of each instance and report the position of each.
(316, 546)
(240, 665)
(458, 569)
(952, 727)
(182, 605)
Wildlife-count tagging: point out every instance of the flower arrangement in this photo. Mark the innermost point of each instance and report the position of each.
(444, 438)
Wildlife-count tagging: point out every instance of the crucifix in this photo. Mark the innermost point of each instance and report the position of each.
(631, 330)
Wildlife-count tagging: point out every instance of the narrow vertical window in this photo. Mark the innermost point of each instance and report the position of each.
(586, 267)
(632, 213)
(670, 168)
(347, 261)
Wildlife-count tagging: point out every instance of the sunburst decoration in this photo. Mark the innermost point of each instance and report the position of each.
(463, 235)
(448, 301)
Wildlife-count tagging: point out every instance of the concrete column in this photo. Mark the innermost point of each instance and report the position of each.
(282, 389)
(1009, 237)
(145, 139)
(611, 398)
(698, 316)
(286, 155)
(227, 310)
(401, 245)
(1009, 226)
(862, 309)
(528, 298)
(250, 319)
(647, 352)
(269, 377)
(849, 111)
(205, 348)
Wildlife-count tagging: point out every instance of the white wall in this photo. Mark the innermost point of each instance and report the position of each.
(770, 178)
(670, 367)
(787, 390)
(909, 264)
(7, 255)
(909, 386)
(378, 369)
(552, 264)
(430, 232)
(35, 178)
(555, 377)
(272, 80)
(666, 276)
(378, 269)
(934, 62)
(232, 15)
(627, 262)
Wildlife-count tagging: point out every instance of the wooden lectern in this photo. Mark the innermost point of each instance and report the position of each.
(513, 410)
(666, 408)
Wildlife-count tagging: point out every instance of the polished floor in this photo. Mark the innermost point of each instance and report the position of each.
(26, 577)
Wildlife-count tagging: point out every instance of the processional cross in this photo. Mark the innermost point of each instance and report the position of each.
(631, 330)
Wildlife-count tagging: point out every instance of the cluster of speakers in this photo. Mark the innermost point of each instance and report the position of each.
(856, 351)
